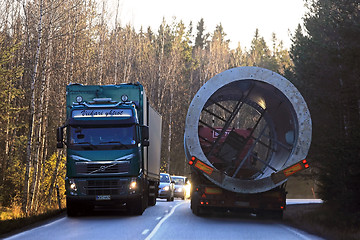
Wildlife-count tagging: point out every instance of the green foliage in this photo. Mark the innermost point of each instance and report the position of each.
(11, 144)
(326, 65)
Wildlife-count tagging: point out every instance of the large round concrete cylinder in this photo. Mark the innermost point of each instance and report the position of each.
(247, 123)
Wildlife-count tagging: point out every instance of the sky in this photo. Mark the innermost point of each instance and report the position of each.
(239, 18)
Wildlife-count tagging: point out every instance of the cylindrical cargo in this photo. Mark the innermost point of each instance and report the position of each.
(247, 123)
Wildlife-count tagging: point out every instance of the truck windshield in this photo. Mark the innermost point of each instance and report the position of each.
(102, 137)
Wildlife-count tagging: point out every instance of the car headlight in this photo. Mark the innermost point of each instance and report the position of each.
(166, 188)
(180, 189)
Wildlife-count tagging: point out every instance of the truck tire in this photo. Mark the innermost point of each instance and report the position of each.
(135, 206)
(71, 208)
(152, 201)
(277, 214)
(271, 214)
(194, 205)
(153, 192)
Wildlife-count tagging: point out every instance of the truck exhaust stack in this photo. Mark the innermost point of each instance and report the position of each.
(245, 125)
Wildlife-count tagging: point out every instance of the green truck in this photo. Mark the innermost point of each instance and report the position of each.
(113, 141)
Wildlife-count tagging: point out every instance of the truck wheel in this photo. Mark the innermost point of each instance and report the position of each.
(271, 214)
(71, 208)
(194, 205)
(277, 214)
(153, 192)
(152, 201)
(136, 206)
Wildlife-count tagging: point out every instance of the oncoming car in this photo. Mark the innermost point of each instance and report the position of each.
(166, 187)
(182, 187)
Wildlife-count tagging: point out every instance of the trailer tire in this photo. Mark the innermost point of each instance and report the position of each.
(271, 214)
(194, 205)
(152, 201)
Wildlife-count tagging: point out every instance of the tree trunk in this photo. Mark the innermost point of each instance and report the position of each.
(25, 200)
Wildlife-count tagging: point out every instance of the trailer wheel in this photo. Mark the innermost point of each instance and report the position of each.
(271, 214)
(152, 201)
(195, 208)
(278, 214)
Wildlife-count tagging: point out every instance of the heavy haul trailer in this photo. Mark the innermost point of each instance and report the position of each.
(113, 140)
(247, 130)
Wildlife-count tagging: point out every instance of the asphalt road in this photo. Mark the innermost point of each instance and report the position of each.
(165, 220)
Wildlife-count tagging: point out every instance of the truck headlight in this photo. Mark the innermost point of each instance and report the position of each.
(72, 187)
(166, 188)
(133, 184)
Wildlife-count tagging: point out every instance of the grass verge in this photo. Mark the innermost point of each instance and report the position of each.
(321, 221)
(7, 226)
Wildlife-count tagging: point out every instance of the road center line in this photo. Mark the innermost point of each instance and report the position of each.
(157, 227)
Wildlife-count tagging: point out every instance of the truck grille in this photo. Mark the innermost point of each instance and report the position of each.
(105, 187)
(105, 167)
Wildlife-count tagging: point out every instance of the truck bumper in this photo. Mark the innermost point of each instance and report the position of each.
(101, 191)
(102, 200)
(272, 200)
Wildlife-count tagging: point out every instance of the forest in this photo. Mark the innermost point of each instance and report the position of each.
(47, 44)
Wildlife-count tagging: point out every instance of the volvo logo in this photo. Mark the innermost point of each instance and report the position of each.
(102, 168)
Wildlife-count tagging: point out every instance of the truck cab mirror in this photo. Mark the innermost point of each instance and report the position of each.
(145, 132)
(145, 142)
(59, 137)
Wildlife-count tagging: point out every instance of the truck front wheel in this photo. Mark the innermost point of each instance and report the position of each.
(71, 208)
(136, 206)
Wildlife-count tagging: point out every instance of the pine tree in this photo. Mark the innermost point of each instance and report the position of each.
(326, 64)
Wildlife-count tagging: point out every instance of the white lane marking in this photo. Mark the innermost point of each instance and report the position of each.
(296, 232)
(145, 231)
(157, 227)
(26, 232)
(158, 218)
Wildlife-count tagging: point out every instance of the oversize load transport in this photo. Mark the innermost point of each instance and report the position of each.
(113, 140)
(247, 130)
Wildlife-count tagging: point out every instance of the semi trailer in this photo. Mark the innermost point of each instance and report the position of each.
(113, 140)
(247, 130)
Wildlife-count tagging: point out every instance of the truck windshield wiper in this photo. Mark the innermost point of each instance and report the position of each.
(123, 145)
(90, 144)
